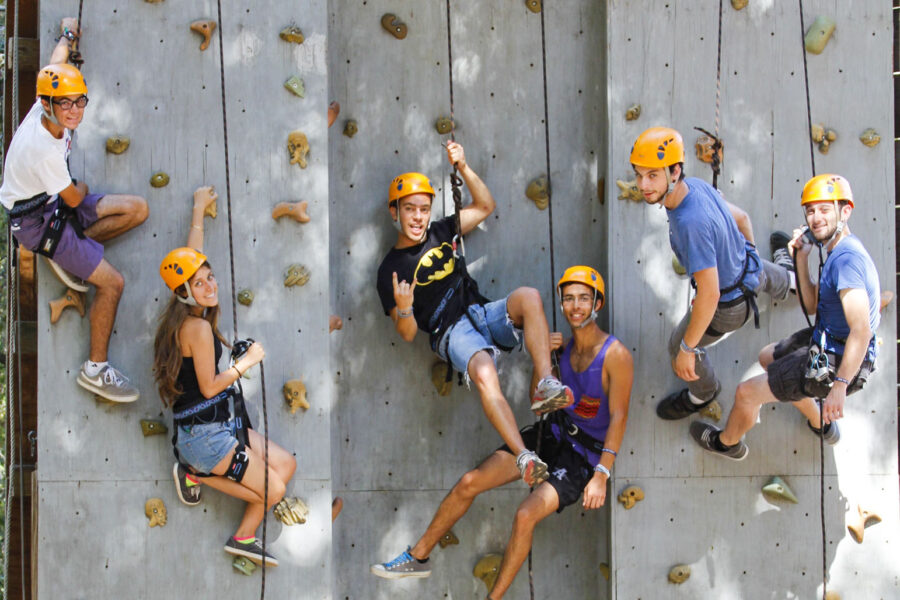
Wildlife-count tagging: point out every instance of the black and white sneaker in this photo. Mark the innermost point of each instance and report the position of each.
(678, 405)
(706, 435)
(832, 433)
(188, 495)
(252, 550)
(781, 256)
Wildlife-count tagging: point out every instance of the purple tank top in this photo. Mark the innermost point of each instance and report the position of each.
(591, 408)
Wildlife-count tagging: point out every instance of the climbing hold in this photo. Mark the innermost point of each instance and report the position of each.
(704, 148)
(295, 85)
(886, 297)
(443, 125)
(155, 510)
(817, 132)
(153, 1)
(294, 210)
(291, 34)
(633, 112)
(777, 489)
(394, 26)
(713, 410)
(538, 191)
(245, 297)
(117, 144)
(739, 4)
(818, 34)
(350, 128)
(291, 511)
(334, 109)
(295, 395)
(870, 137)
(70, 298)
(487, 569)
(830, 135)
(533, 5)
(679, 573)
(629, 190)
(448, 539)
(337, 505)
(334, 322)
(604, 570)
(243, 565)
(150, 427)
(211, 210)
(205, 29)
(824, 146)
(159, 180)
(832, 595)
(298, 148)
(630, 496)
(677, 266)
(439, 378)
(866, 518)
(296, 274)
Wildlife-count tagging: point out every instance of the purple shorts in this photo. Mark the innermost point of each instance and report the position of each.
(80, 257)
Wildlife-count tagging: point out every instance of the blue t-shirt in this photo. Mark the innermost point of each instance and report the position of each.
(848, 266)
(703, 234)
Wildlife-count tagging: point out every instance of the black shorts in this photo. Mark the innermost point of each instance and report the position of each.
(569, 471)
(787, 373)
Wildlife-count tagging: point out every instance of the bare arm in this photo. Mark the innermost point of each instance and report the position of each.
(203, 197)
(702, 311)
(403, 297)
(856, 310)
(74, 194)
(743, 221)
(482, 204)
(196, 340)
(61, 51)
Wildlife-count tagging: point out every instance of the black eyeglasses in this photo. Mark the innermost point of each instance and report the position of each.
(66, 104)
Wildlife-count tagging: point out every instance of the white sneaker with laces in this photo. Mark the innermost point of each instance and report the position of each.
(110, 384)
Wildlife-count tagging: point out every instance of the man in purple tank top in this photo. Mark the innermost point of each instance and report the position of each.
(579, 443)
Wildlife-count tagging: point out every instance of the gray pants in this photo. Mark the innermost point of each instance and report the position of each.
(773, 280)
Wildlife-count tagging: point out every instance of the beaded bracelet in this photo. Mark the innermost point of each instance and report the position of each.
(406, 312)
(842, 380)
(610, 451)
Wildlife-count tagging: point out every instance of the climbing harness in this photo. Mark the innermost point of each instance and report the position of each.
(717, 141)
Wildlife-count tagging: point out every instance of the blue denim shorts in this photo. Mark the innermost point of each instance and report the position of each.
(492, 327)
(204, 445)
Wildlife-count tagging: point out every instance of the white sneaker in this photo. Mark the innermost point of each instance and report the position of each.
(110, 384)
(69, 280)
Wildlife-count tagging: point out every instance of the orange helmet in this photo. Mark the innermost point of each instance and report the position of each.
(408, 184)
(657, 148)
(179, 265)
(586, 275)
(826, 188)
(60, 80)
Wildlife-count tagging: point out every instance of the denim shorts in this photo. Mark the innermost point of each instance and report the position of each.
(78, 256)
(204, 445)
(492, 327)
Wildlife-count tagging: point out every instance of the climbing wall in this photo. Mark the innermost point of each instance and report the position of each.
(399, 446)
(701, 510)
(149, 81)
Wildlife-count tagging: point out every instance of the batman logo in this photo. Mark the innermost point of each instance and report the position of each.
(435, 264)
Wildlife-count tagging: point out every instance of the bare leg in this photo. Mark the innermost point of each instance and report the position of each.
(483, 373)
(498, 469)
(117, 214)
(767, 356)
(526, 309)
(540, 503)
(748, 399)
(109, 284)
(810, 410)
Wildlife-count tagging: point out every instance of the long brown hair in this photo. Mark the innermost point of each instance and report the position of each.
(167, 357)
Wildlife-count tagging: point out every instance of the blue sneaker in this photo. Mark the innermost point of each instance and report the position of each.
(404, 565)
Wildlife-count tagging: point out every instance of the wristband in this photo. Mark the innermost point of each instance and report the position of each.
(238, 371)
(601, 469)
(689, 350)
(842, 380)
(610, 451)
(404, 313)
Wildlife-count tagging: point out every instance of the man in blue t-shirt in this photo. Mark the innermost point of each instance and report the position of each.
(713, 240)
(830, 360)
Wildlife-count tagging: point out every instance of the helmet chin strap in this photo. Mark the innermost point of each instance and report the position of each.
(190, 297)
(49, 114)
(590, 319)
(399, 228)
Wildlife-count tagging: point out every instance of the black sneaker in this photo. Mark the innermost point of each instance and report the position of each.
(188, 495)
(705, 435)
(678, 405)
(781, 256)
(252, 550)
(832, 433)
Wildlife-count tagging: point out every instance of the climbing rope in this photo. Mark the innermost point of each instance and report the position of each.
(717, 142)
(455, 180)
(262, 372)
(75, 51)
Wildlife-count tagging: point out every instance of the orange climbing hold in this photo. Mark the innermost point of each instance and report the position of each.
(70, 298)
(294, 210)
(205, 28)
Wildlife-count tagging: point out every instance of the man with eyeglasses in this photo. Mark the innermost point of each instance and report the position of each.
(55, 215)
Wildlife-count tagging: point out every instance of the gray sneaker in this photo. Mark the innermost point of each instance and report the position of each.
(705, 434)
(188, 495)
(532, 468)
(778, 244)
(550, 394)
(832, 433)
(405, 565)
(69, 280)
(252, 550)
(110, 384)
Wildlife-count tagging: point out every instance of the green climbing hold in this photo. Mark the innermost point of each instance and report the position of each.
(777, 489)
(159, 180)
(243, 565)
(818, 35)
(295, 86)
(677, 266)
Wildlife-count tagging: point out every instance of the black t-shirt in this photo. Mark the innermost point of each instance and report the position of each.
(433, 266)
(190, 388)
